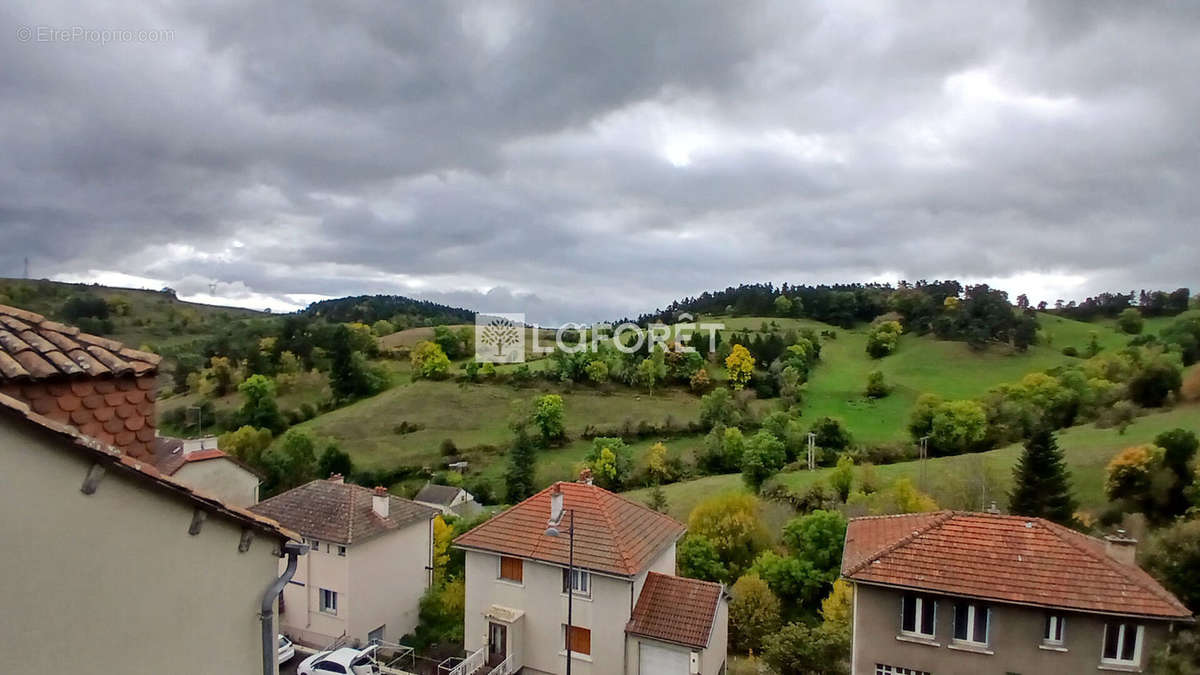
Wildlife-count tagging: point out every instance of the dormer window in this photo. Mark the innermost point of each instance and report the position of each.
(579, 581)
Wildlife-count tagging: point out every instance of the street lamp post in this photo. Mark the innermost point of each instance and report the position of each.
(552, 531)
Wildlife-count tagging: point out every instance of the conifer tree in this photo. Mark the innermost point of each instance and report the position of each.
(1041, 483)
(521, 465)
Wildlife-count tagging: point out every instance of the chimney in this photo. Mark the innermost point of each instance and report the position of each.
(1121, 548)
(337, 478)
(380, 502)
(585, 476)
(556, 505)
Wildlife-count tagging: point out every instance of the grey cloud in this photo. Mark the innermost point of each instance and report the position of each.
(586, 161)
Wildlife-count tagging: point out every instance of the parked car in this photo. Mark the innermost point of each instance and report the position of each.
(286, 650)
(344, 661)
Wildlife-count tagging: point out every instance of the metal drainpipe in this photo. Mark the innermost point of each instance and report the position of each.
(270, 645)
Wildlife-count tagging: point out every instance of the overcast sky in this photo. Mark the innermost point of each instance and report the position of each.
(584, 160)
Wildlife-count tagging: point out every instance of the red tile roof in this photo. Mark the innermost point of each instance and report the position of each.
(676, 609)
(1013, 559)
(612, 534)
(339, 512)
(35, 348)
(144, 472)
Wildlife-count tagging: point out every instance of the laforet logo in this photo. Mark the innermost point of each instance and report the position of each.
(500, 338)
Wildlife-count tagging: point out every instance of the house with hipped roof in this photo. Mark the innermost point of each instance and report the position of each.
(952, 592)
(370, 561)
(629, 613)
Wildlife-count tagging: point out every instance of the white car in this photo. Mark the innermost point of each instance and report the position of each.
(286, 650)
(344, 661)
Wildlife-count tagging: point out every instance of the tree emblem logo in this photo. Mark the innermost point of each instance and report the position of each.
(500, 338)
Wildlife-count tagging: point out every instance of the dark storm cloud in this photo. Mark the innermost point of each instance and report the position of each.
(592, 160)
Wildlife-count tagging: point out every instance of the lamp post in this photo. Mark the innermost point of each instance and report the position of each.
(556, 514)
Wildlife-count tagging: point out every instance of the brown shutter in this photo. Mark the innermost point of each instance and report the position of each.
(581, 640)
(512, 569)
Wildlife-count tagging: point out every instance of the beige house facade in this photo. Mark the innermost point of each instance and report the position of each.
(629, 613)
(367, 568)
(201, 465)
(111, 554)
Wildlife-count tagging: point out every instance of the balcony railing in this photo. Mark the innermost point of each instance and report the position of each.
(504, 667)
(471, 664)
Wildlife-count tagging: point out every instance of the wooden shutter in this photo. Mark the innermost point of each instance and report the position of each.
(581, 640)
(512, 569)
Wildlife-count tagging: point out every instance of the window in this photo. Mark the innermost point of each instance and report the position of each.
(342, 551)
(971, 622)
(882, 669)
(580, 639)
(917, 615)
(328, 601)
(329, 667)
(1122, 643)
(314, 545)
(512, 569)
(580, 582)
(1053, 634)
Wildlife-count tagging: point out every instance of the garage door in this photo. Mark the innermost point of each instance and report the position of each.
(656, 660)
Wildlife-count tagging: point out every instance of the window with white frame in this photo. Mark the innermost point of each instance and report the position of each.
(971, 623)
(1122, 644)
(1055, 629)
(329, 601)
(884, 669)
(579, 581)
(918, 615)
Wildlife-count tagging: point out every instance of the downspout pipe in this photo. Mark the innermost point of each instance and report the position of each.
(293, 550)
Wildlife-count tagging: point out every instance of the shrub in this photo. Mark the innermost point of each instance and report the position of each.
(1070, 351)
(876, 387)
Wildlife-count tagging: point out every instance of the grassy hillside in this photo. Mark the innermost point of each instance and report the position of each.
(147, 317)
(477, 415)
(921, 363)
(1087, 451)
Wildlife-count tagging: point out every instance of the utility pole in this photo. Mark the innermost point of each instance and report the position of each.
(812, 451)
(924, 463)
(26, 267)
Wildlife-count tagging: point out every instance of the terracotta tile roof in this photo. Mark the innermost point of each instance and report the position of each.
(437, 494)
(676, 609)
(612, 534)
(339, 512)
(115, 460)
(35, 348)
(1003, 558)
(169, 456)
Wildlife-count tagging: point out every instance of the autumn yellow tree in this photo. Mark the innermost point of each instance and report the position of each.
(740, 365)
(733, 523)
(442, 535)
(656, 463)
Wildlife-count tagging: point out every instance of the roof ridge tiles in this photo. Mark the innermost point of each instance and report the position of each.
(1130, 576)
(939, 519)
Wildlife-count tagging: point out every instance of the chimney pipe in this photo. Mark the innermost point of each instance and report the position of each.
(1121, 548)
(337, 478)
(380, 502)
(556, 505)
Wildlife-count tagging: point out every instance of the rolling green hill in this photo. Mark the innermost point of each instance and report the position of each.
(139, 317)
(949, 479)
